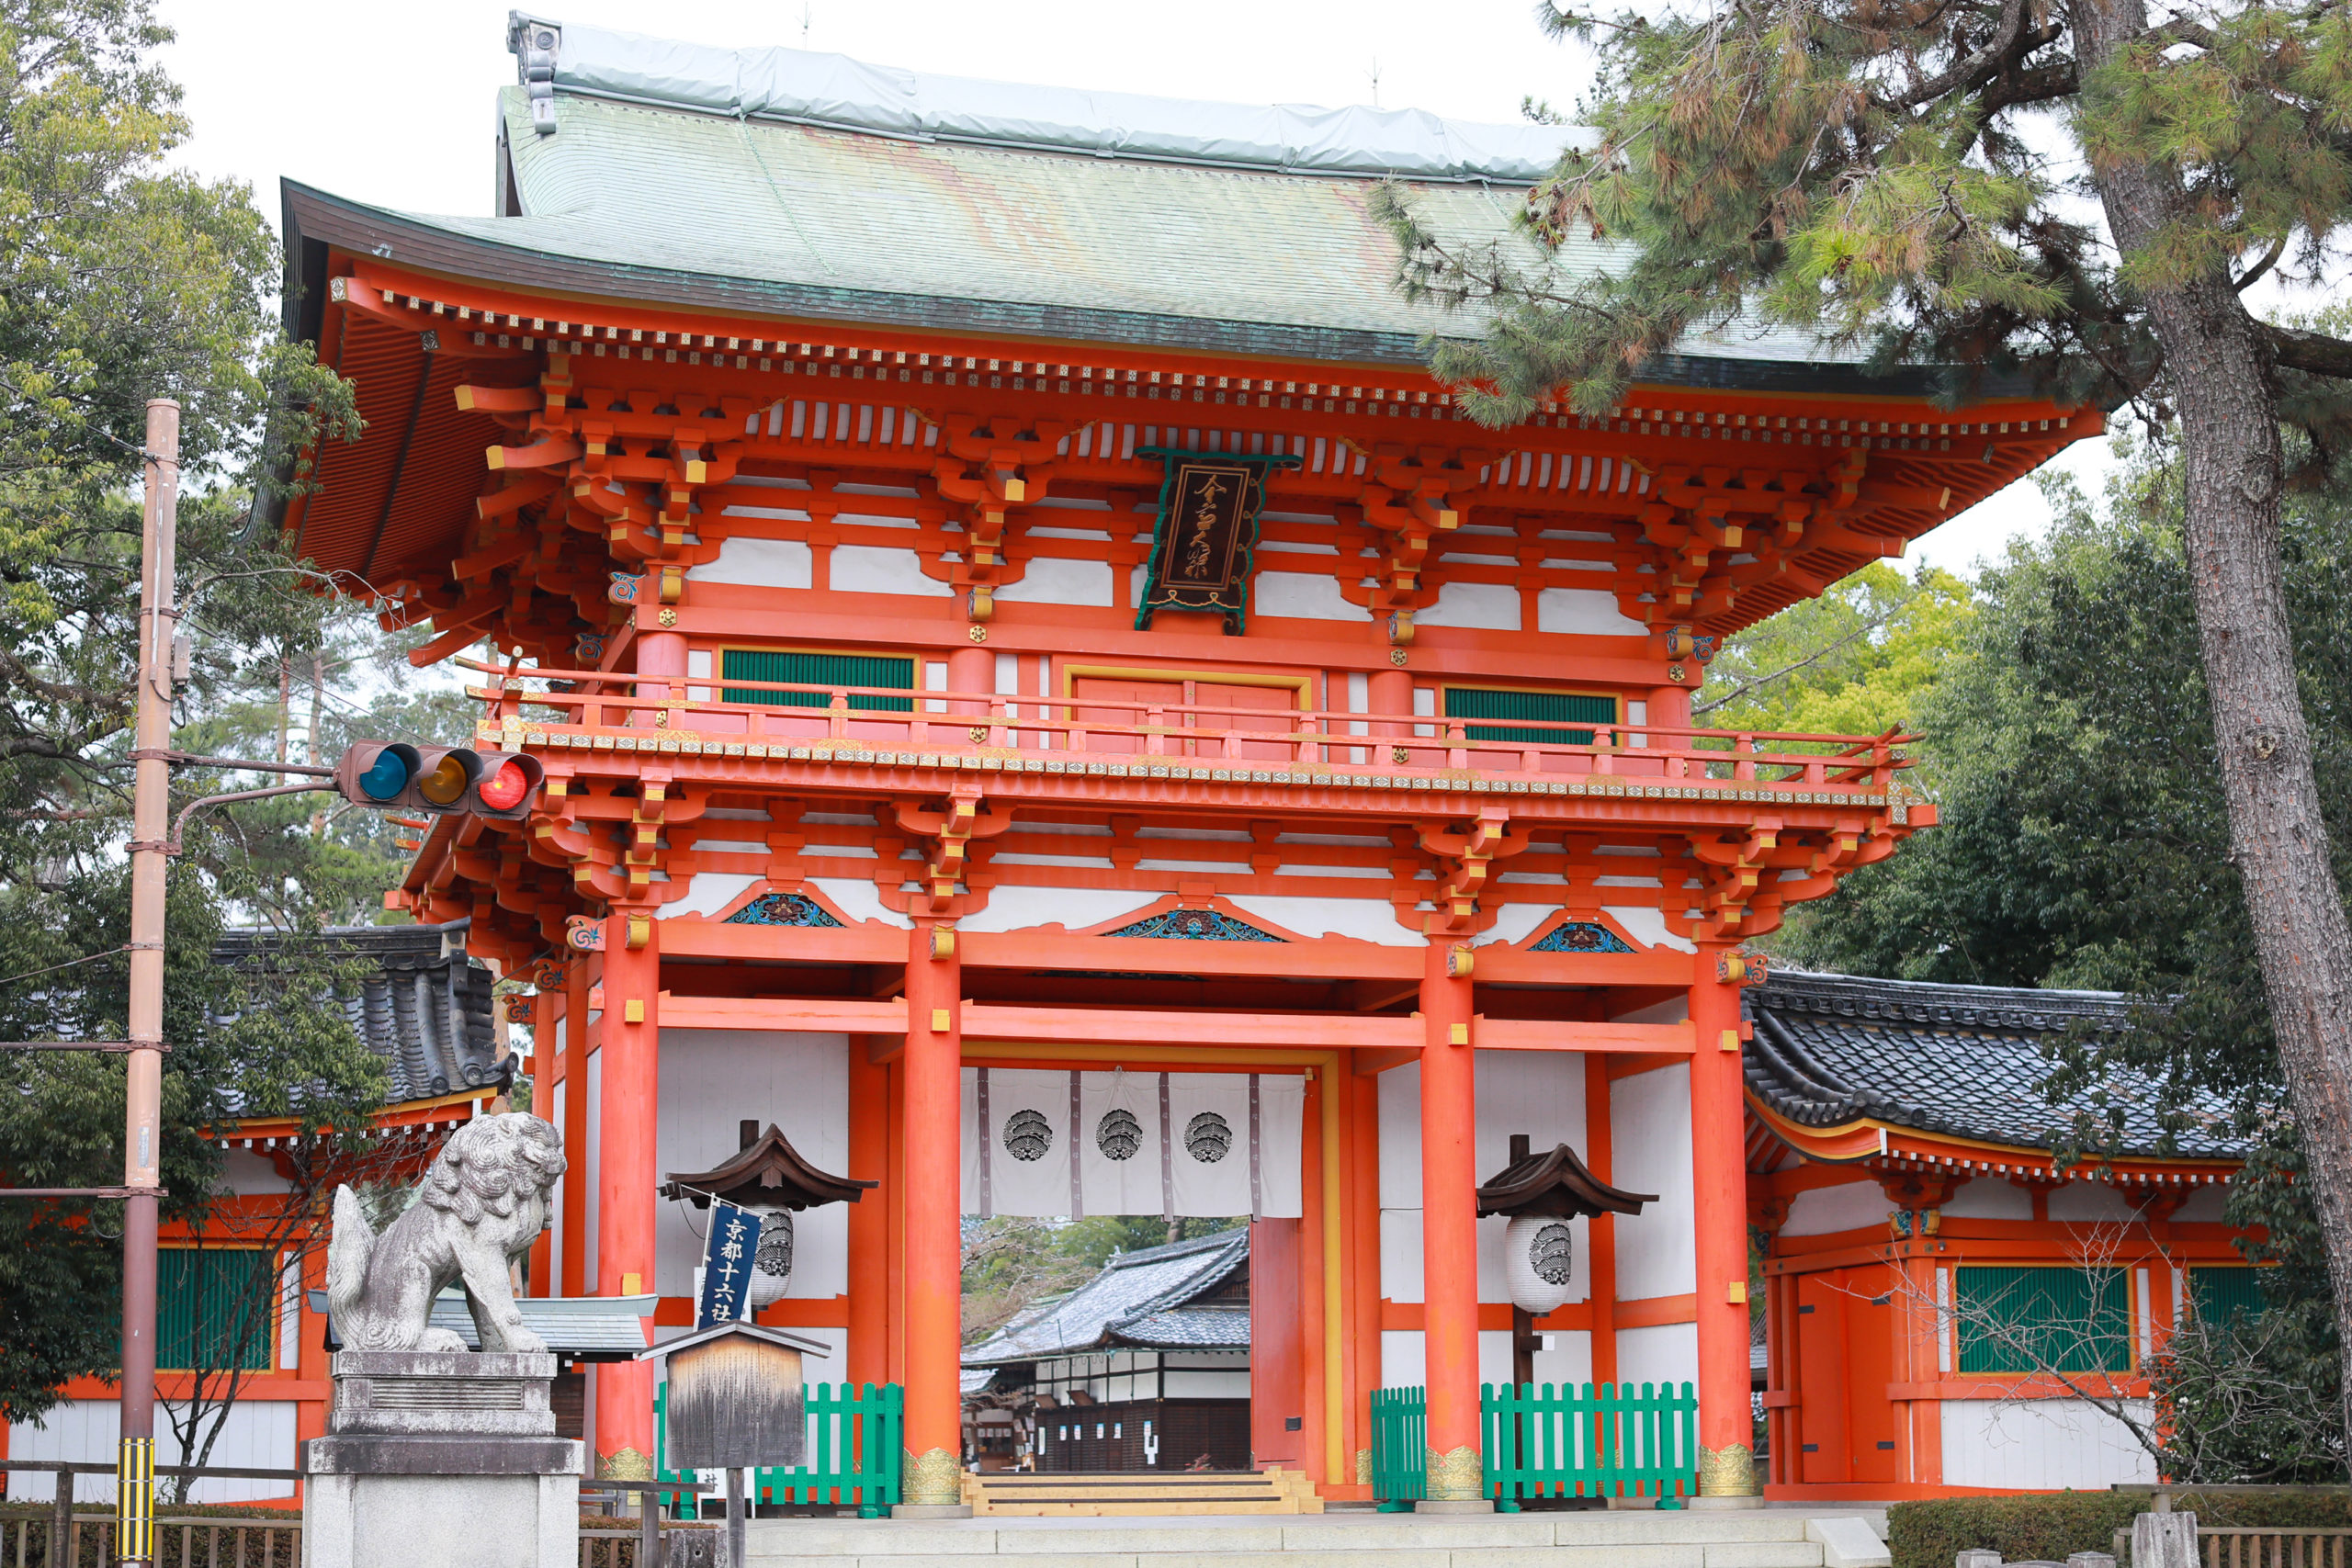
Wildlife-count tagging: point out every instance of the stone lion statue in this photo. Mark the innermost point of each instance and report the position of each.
(484, 1202)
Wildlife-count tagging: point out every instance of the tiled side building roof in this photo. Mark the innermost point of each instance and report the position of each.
(426, 1009)
(1149, 1299)
(1967, 1062)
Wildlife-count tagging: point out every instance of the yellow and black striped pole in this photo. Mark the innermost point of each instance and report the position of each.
(135, 1501)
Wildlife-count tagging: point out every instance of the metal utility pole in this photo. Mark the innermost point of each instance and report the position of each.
(143, 1150)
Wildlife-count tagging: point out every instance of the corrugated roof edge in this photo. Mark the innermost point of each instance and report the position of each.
(317, 219)
(805, 87)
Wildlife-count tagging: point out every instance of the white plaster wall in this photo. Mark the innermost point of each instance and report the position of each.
(710, 1078)
(1052, 579)
(1989, 1198)
(868, 569)
(2204, 1206)
(1649, 1129)
(1012, 908)
(1301, 595)
(594, 1140)
(2042, 1445)
(1515, 923)
(707, 893)
(1400, 1251)
(857, 898)
(1663, 1353)
(1367, 920)
(546, 1099)
(2092, 1201)
(1824, 1211)
(1492, 606)
(1646, 924)
(1674, 1009)
(258, 1435)
(1592, 610)
(249, 1173)
(1400, 1138)
(1540, 1093)
(758, 563)
(1404, 1359)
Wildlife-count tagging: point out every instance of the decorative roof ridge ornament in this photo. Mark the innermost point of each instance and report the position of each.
(1554, 1183)
(535, 44)
(766, 1173)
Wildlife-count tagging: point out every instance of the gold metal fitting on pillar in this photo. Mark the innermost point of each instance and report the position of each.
(640, 932)
(1460, 960)
(1457, 1477)
(1727, 1471)
(931, 1479)
(943, 942)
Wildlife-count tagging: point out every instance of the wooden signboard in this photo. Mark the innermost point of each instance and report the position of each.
(1203, 542)
(735, 1398)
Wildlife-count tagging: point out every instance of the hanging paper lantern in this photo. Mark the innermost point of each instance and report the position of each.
(772, 1264)
(1537, 1250)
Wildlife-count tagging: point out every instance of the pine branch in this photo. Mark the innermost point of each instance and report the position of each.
(2315, 354)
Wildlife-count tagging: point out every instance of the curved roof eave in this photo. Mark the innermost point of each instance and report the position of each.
(317, 220)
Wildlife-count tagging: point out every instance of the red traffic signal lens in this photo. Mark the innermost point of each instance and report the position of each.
(445, 785)
(505, 789)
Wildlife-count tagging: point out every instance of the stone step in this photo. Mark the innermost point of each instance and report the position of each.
(1759, 1539)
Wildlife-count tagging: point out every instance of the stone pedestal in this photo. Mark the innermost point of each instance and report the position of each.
(448, 1458)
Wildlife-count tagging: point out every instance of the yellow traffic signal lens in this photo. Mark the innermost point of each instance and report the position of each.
(445, 785)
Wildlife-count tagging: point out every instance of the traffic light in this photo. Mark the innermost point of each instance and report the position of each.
(446, 780)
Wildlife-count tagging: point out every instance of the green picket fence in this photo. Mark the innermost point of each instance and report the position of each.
(855, 1439)
(1538, 1442)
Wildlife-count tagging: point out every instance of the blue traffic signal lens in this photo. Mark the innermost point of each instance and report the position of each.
(385, 777)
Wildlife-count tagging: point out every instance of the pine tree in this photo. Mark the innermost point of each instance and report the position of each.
(2078, 194)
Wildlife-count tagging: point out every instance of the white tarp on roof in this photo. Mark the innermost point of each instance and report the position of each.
(833, 89)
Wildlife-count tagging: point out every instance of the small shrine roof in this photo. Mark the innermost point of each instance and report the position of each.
(1964, 1061)
(767, 1172)
(1154, 1289)
(1554, 1182)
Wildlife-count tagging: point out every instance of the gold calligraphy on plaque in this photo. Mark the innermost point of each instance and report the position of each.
(1206, 533)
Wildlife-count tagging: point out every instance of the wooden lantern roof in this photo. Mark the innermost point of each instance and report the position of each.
(1554, 1182)
(767, 1173)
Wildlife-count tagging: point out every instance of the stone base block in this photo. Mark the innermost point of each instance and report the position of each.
(1721, 1505)
(930, 1510)
(451, 1521)
(1454, 1506)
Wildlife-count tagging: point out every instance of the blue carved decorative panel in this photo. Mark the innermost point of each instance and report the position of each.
(1195, 925)
(1581, 936)
(782, 910)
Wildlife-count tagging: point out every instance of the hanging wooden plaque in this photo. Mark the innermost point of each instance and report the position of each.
(1206, 534)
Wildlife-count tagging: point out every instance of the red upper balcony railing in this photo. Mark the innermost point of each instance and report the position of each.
(1133, 736)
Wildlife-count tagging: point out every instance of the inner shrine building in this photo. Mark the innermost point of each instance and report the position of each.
(1048, 708)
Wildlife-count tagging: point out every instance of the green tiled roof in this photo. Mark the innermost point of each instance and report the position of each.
(806, 222)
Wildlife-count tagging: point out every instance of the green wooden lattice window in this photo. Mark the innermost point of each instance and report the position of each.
(1550, 708)
(816, 669)
(2222, 1294)
(2027, 1320)
(214, 1308)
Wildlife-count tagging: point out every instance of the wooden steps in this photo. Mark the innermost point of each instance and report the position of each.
(1104, 1495)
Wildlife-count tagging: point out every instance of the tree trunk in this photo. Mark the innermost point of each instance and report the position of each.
(2218, 374)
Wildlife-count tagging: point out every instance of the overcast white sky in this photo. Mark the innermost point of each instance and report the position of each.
(392, 103)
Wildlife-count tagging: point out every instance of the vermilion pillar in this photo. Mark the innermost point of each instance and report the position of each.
(1450, 1232)
(931, 1479)
(1719, 1174)
(630, 1057)
(538, 1270)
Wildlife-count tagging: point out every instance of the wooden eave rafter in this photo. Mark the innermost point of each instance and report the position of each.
(444, 1113)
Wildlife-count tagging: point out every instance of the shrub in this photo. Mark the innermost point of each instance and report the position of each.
(2049, 1524)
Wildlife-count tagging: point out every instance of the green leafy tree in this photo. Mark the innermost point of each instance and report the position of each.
(1857, 661)
(2085, 842)
(123, 279)
(2078, 195)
